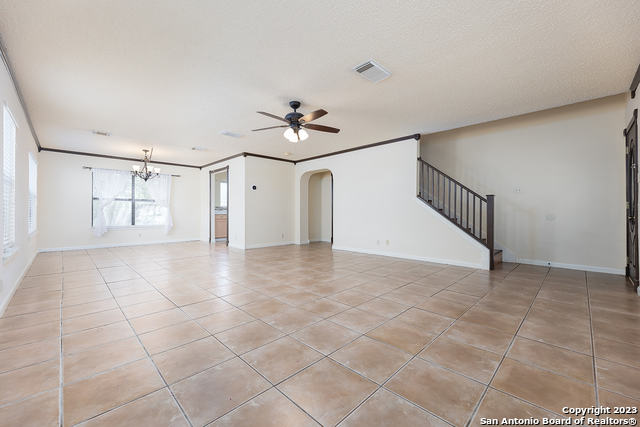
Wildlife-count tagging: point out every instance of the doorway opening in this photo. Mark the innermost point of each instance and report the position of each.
(631, 166)
(320, 207)
(219, 206)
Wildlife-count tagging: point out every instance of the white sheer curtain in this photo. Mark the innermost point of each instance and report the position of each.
(107, 186)
(160, 190)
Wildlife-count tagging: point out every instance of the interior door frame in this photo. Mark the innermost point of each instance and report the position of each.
(331, 207)
(211, 173)
(632, 124)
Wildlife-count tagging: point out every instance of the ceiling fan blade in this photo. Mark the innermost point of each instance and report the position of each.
(321, 128)
(271, 127)
(312, 115)
(273, 116)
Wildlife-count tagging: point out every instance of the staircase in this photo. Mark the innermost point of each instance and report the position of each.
(468, 210)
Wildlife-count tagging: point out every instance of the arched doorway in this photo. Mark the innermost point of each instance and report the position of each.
(316, 207)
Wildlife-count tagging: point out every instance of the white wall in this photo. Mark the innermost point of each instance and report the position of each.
(236, 208)
(558, 177)
(64, 208)
(320, 207)
(375, 209)
(13, 268)
(269, 208)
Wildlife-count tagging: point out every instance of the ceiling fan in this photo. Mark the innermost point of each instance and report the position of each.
(298, 122)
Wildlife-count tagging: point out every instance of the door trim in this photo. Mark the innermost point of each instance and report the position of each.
(211, 173)
(632, 123)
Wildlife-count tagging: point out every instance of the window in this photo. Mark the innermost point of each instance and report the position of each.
(223, 194)
(121, 199)
(9, 181)
(32, 223)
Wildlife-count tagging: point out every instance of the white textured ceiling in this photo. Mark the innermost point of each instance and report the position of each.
(173, 74)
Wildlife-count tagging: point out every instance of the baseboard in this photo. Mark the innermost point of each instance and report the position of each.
(5, 303)
(319, 241)
(413, 257)
(268, 245)
(595, 269)
(115, 245)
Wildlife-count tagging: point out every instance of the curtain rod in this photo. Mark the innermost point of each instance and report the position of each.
(89, 167)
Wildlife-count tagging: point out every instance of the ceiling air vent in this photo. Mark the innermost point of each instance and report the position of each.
(372, 71)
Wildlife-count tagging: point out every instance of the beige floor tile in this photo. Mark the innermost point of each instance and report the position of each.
(443, 307)
(22, 336)
(97, 359)
(291, 319)
(556, 359)
(325, 307)
(191, 358)
(557, 335)
(371, 358)
(156, 409)
(172, 336)
(358, 320)
(41, 411)
(404, 336)
(204, 308)
(244, 298)
(382, 307)
(327, 391)
(95, 395)
(465, 359)
(480, 336)
(116, 274)
(615, 351)
(20, 383)
(497, 404)
(218, 322)
(145, 308)
(29, 354)
(351, 297)
(81, 341)
(159, 320)
(281, 358)
(92, 307)
(431, 322)
(325, 336)
(93, 320)
(618, 378)
(26, 320)
(246, 337)
(611, 400)
(270, 409)
(542, 388)
(448, 395)
(216, 391)
(386, 409)
(298, 298)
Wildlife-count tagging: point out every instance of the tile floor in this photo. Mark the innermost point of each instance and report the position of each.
(188, 334)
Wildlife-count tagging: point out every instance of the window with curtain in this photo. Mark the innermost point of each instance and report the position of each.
(122, 200)
(9, 129)
(33, 195)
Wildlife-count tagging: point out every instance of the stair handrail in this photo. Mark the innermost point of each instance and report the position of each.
(435, 203)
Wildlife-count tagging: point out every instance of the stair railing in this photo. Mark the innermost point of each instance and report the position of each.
(470, 211)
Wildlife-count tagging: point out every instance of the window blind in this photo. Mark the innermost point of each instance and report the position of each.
(9, 180)
(32, 210)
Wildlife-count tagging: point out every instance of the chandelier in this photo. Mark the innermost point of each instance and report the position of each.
(146, 172)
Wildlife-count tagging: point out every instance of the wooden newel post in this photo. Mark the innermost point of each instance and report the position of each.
(490, 232)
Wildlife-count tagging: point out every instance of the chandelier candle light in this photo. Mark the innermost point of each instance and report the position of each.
(146, 172)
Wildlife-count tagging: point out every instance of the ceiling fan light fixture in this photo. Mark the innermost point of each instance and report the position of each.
(290, 134)
(302, 134)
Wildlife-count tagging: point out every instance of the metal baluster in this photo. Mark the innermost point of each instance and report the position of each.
(455, 201)
(449, 200)
(474, 214)
(467, 225)
(480, 219)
